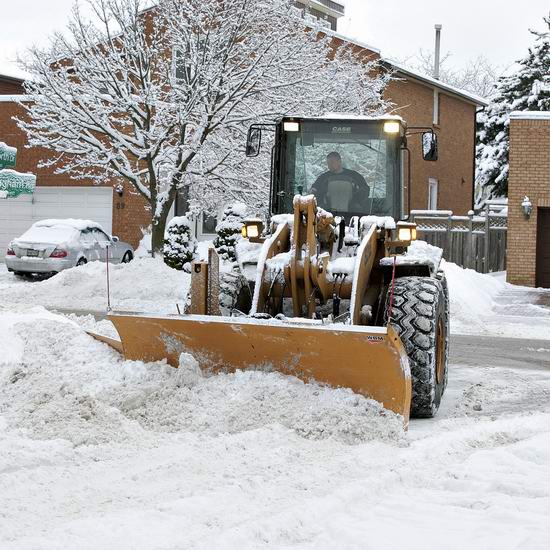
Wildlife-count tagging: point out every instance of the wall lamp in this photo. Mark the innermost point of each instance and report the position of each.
(527, 207)
(119, 189)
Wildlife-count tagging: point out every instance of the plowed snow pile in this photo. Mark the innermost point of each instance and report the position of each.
(145, 284)
(68, 386)
(101, 453)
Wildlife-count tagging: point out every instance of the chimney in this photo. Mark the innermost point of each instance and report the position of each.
(437, 50)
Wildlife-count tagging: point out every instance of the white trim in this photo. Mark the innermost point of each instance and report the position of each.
(530, 115)
(14, 98)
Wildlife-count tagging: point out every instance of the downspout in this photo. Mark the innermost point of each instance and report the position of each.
(474, 164)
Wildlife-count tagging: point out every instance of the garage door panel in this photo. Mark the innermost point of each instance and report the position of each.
(90, 203)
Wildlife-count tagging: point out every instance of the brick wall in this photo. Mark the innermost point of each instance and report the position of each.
(131, 214)
(529, 176)
(455, 131)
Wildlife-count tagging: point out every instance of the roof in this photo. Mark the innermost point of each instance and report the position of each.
(411, 73)
(530, 115)
(463, 94)
(11, 79)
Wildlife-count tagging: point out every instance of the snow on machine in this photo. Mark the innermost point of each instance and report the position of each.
(329, 289)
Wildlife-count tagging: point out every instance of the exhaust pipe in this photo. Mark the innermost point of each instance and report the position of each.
(437, 50)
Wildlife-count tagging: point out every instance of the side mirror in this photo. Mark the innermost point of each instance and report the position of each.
(429, 146)
(115, 239)
(253, 142)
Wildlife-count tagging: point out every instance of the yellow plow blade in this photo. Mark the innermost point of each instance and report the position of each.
(369, 360)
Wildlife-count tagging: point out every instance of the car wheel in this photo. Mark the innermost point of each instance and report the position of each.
(127, 258)
(82, 261)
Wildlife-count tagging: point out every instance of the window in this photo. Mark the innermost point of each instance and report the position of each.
(352, 168)
(436, 107)
(432, 194)
(101, 238)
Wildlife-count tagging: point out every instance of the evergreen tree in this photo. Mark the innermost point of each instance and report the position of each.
(179, 244)
(528, 89)
(229, 230)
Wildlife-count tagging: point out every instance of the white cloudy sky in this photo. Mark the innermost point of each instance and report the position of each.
(497, 29)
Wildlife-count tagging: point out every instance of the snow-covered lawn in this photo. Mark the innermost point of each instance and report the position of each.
(97, 452)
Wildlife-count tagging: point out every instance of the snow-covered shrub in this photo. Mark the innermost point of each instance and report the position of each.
(229, 231)
(179, 244)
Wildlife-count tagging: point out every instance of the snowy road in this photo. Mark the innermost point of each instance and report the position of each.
(497, 351)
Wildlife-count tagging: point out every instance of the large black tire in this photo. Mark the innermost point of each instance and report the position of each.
(420, 314)
(235, 293)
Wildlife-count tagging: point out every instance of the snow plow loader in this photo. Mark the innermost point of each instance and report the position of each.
(332, 288)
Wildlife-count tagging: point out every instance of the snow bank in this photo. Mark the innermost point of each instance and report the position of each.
(472, 294)
(161, 458)
(71, 387)
(145, 284)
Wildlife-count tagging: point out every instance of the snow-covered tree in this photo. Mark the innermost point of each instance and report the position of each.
(526, 89)
(179, 244)
(163, 97)
(229, 230)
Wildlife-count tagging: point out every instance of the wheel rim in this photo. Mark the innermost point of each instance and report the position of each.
(440, 353)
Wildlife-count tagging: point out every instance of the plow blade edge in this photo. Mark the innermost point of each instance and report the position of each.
(369, 360)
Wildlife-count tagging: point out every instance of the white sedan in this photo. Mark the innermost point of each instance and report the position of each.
(50, 246)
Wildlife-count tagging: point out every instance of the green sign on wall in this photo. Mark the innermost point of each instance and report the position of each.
(8, 155)
(13, 184)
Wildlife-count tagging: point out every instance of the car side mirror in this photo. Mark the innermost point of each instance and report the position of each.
(429, 146)
(253, 142)
(115, 239)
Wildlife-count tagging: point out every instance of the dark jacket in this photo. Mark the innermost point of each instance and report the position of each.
(358, 192)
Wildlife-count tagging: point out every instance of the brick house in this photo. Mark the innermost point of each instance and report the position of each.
(528, 252)
(421, 100)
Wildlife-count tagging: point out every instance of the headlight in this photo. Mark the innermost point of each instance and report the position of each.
(406, 233)
(252, 229)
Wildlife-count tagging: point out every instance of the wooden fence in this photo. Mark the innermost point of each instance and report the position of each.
(476, 241)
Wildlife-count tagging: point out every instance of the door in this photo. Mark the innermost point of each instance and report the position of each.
(543, 248)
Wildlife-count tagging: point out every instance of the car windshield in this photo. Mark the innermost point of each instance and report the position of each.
(352, 168)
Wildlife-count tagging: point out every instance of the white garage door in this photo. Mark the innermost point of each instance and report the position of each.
(89, 203)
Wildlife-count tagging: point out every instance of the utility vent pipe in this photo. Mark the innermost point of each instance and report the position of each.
(437, 50)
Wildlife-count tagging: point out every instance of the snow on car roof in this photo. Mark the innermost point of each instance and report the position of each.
(54, 232)
(79, 225)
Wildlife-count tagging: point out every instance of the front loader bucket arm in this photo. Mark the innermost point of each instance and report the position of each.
(368, 360)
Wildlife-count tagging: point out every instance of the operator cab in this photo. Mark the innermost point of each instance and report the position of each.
(352, 166)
